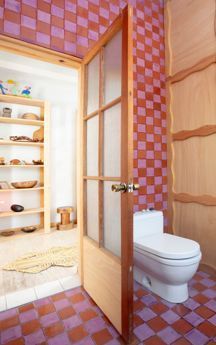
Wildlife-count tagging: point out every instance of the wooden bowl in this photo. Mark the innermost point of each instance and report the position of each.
(24, 184)
(7, 233)
(30, 116)
(29, 229)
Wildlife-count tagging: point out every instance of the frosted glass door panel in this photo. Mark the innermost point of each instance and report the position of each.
(112, 141)
(112, 68)
(112, 219)
(93, 85)
(92, 146)
(92, 210)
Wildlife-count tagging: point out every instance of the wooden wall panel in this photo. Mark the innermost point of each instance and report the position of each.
(192, 35)
(198, 107)
(190, 44)
(197, 222)
(194, 166)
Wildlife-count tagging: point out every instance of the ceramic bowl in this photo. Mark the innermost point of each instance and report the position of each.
(24, 184)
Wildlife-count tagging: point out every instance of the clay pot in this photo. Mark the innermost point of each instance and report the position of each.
(17, 208)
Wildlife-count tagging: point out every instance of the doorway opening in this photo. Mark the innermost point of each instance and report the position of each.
(51, 162)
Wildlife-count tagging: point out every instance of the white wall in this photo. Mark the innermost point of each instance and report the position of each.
(58, 85)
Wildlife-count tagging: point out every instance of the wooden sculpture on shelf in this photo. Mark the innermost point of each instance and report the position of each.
(7, 112)
(2, 161)
(38, 135)
(65, 212)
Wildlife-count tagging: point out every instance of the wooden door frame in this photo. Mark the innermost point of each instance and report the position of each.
(16, 46)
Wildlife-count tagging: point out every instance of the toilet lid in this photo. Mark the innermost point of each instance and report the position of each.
(168, 246)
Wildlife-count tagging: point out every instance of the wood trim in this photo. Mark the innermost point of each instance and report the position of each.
(16, 46)
(168, 60)
(111, 31)
(102, 108)
(111, 104)
(93, 114)
(81, 146)
(21, 100)
(207, 200)
(207, 269)
(102, 178)
(198, 132)
(127, 173)
(101, 149)
(45, 173)
(201, 65)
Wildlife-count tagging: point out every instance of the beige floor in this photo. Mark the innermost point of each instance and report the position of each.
(13, 247)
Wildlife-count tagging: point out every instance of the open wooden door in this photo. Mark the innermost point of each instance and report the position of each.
(107, 133)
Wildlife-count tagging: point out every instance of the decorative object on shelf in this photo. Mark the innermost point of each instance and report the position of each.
(18, 162)
(17, 208)
(12, 87)
(38, 162)
(3, 89)
(26, 92)
(7, 233)
(2, 161)
(15, 162)
(4, 185)
(28, 229)
(24, 184)
(65, 212)
(41, 187)
(6, 112)
(38, 135)
(30, 116)
(22, 138)
(35, 262)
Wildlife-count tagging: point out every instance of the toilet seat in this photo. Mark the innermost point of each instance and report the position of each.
(166, 246)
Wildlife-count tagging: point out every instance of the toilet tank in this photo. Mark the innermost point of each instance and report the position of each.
(147, 223)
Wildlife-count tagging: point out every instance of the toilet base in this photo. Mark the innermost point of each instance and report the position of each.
(171, 293)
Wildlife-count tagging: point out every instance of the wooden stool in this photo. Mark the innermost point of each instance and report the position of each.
(65, 224)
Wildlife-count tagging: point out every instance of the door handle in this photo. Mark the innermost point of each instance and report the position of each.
(125, 187)
(122, 187)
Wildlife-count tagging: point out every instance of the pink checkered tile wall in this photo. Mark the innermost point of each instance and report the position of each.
(72, 26)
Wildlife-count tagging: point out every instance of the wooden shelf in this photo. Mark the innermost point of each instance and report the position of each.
(19, 121)
(21, 166)
(25, 212)
(42, 189)
(20, 189)
(22, 100)
(20, 143)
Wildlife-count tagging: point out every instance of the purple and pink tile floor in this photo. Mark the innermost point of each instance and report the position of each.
(72, 317)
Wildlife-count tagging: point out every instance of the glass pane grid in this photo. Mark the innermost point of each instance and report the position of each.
(103, 152)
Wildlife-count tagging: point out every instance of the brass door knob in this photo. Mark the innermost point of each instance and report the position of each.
(122, 187)
(125, 187)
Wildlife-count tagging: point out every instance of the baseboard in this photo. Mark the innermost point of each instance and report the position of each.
(208, 269)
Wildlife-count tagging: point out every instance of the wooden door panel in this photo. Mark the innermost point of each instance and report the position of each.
(102, 281)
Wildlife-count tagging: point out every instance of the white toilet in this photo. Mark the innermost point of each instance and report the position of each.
(163, 263)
